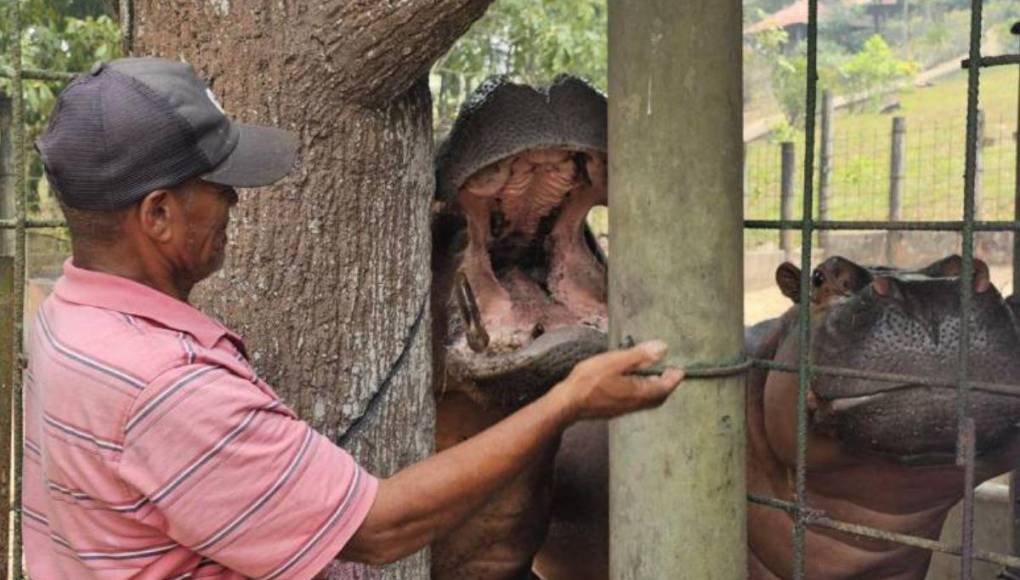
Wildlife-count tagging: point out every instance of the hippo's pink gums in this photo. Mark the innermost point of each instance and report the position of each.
(519, 291)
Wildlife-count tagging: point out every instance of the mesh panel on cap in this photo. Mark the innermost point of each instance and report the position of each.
(113, 140)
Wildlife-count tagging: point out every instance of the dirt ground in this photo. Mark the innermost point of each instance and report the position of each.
(769, 302)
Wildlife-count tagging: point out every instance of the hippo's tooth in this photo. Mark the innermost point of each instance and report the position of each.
(477, 337)
(847, 403)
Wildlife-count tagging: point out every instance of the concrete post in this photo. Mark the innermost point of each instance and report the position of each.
(677, 485)
(897, 173)
(825, 168)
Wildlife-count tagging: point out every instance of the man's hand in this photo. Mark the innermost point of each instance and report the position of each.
(427, 500)
(601, 387)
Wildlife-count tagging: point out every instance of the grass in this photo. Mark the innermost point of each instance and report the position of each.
(934, 157)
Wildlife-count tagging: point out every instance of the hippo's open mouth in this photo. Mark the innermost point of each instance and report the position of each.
(520, 171)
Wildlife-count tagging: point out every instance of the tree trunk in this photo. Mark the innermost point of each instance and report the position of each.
(327, 275)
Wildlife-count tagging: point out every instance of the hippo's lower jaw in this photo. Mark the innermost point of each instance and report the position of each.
(514, 379)
(914, 425)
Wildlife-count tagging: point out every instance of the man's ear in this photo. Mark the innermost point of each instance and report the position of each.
(157, 213)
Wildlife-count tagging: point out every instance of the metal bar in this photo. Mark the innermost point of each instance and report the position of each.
(7, 361)
(33, 74)
(788, 161)
(897, 174)
(1014, 478)
(804, 343)
(987, 61)
(949, 226)
(817, 518)
(966, 444)
(964, 452)
(693, 300)
(946, 383)
(14, 570)
(11, 224)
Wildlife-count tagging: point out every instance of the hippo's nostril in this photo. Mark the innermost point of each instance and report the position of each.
(538, 330)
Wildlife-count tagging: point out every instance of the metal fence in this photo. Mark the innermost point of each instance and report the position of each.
(802, 512)
(904, 171)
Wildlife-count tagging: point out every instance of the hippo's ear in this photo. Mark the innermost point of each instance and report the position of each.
(982, 277)
(887, 286)
(851, 276)
(788, 279)
(948, 267)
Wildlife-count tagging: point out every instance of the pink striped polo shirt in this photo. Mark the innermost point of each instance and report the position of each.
(153, 450)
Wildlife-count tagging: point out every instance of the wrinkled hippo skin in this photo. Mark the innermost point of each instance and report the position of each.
(879, 454)
(519, 292)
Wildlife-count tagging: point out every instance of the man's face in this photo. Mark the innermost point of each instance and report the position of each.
(207, 213)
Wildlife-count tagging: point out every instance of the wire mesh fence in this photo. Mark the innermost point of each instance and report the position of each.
(862, 173)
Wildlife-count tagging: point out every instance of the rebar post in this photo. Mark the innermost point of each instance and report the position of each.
(804, 319)
(677, 486)
(1014, 480)
(964, 457)
(14, 570)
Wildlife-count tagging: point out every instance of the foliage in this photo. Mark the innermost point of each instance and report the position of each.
(874, 69)
(531, 41)
(789, 70)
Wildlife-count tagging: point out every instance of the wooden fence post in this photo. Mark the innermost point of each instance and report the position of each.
(896, 177)
(789, 163)
(979, 166)
(825, 168)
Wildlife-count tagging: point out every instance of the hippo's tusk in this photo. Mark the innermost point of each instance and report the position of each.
(846, 403)
(477, 337)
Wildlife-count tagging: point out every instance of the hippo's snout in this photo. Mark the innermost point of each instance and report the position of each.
(911, 326)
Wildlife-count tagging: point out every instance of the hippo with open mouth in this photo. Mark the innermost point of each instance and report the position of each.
(519, 289)
(879, 454)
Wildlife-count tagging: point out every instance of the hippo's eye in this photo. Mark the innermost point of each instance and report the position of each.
(817, 279)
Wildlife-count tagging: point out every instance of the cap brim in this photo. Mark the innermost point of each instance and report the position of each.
(262, 156)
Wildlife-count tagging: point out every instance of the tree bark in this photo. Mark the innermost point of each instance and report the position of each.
(327, 275)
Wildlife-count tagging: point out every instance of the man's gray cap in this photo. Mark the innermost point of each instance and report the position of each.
(135, 125)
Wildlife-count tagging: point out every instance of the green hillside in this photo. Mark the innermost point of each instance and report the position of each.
(933, 185)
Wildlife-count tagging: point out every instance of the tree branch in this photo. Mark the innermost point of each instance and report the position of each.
(383, 47)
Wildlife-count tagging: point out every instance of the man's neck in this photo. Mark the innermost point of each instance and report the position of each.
(152, 273)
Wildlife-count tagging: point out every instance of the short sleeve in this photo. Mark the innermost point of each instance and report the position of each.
(232, 474)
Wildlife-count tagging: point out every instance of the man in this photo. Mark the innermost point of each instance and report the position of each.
(152, 448)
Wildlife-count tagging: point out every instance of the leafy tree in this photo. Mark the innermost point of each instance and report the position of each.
(57, 35)
(530, 41)
(873, 69)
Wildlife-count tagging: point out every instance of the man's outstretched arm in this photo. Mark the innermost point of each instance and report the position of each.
(429, 499)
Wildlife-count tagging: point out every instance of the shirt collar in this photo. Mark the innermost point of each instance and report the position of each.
(110, 292)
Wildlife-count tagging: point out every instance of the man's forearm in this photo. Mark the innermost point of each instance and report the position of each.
(431, 498)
